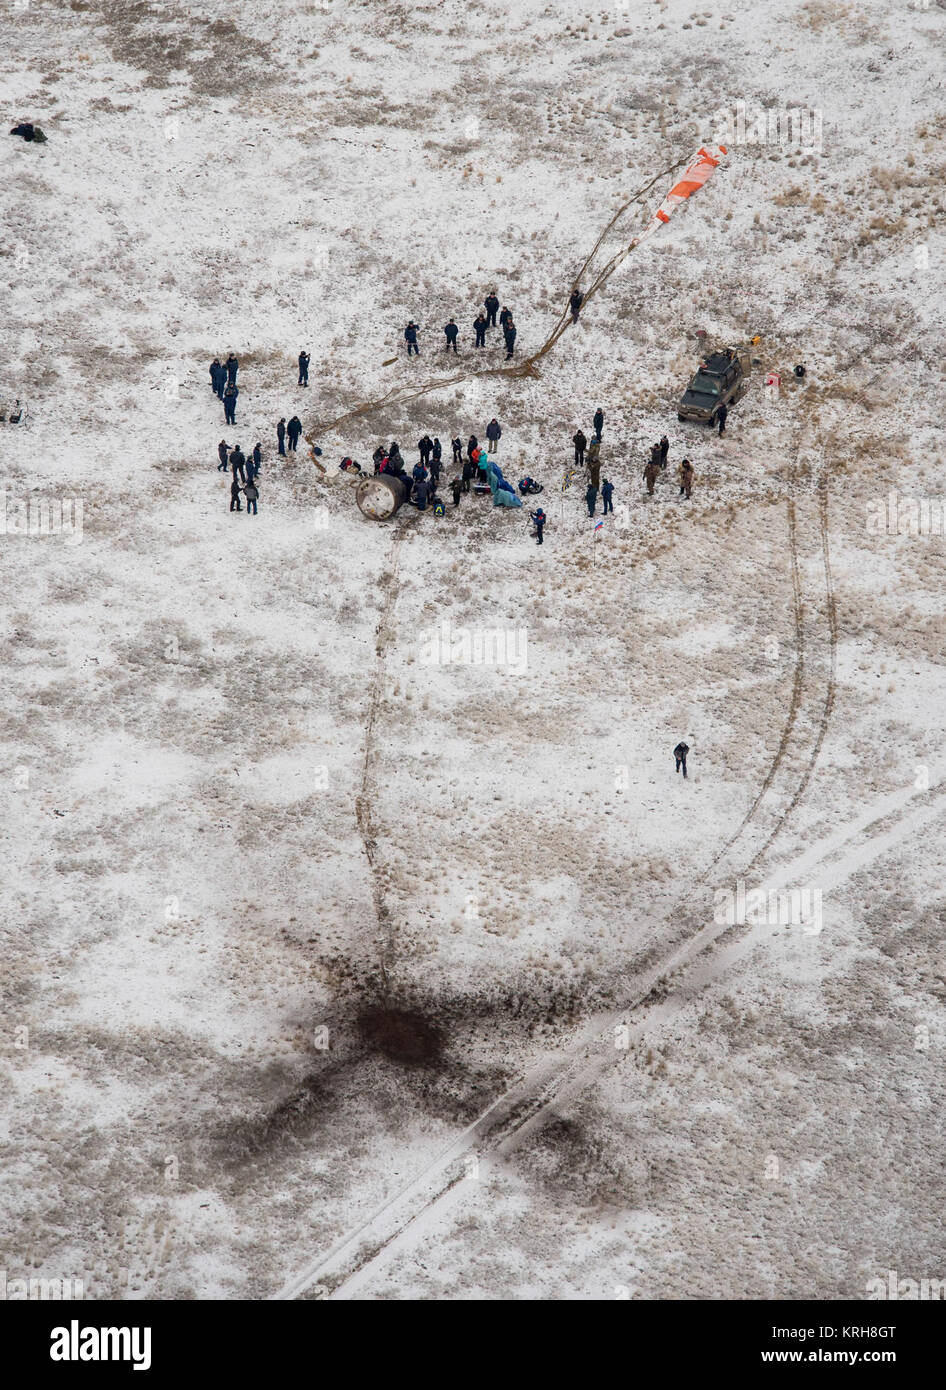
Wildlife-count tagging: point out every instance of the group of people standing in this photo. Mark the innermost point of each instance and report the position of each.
(657, 465)
(588, 456)
(244, 472)
(485, 319)
(223, 383)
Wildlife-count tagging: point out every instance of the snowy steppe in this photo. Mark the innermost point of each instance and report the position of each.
(287, 907)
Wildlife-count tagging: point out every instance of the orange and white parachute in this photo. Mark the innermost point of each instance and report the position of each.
(700, 170)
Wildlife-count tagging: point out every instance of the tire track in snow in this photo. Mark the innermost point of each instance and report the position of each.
(364, 812)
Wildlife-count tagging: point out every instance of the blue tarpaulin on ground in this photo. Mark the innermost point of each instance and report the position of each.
(504, 495)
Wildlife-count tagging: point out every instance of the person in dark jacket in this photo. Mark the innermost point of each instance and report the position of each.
(575, 303)
(419, 494)
(230, 393)
(293, 430)
(436, 451)
(232, 365)
(509, 334)
(457, 446)
(377, 457)
(504, 317)
(425, 446)
(303, 369)
(436, 464)
(492, 304)
(580, 442)
(607, 492)
(479, 327)
(281, 436)
(538, 518)
(251, 493)
(680, 754)
(456, 487)
(655, 456)
(237, 463)
(493, 435)
(235, 491)
(419, 473)
(664, 450)
(721, 414)
(598, 421)
(591, 497)
(410, 337)
(395, 461)
(257, 456)
(450, 331)
(471, 444)
(469, 471)
(223, 454)
(218, 375)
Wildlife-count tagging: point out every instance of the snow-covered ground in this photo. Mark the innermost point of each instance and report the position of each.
(288, 906)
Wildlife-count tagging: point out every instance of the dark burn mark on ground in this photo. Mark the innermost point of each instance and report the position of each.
(391, 1061)
(402, 1035)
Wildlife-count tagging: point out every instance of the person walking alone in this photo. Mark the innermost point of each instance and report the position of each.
(580, 442)
(493, 435)
(303, 372)
(450, 332)
(721, 414)
(410, 337)
(281, 436)
(680, 753)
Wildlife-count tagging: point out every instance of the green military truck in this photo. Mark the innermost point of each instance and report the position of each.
(722, 376)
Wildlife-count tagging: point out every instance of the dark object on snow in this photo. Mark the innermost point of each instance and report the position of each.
(29, 132)
(723, 378)
(680, 755)
(799, 371)
(529, 487)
